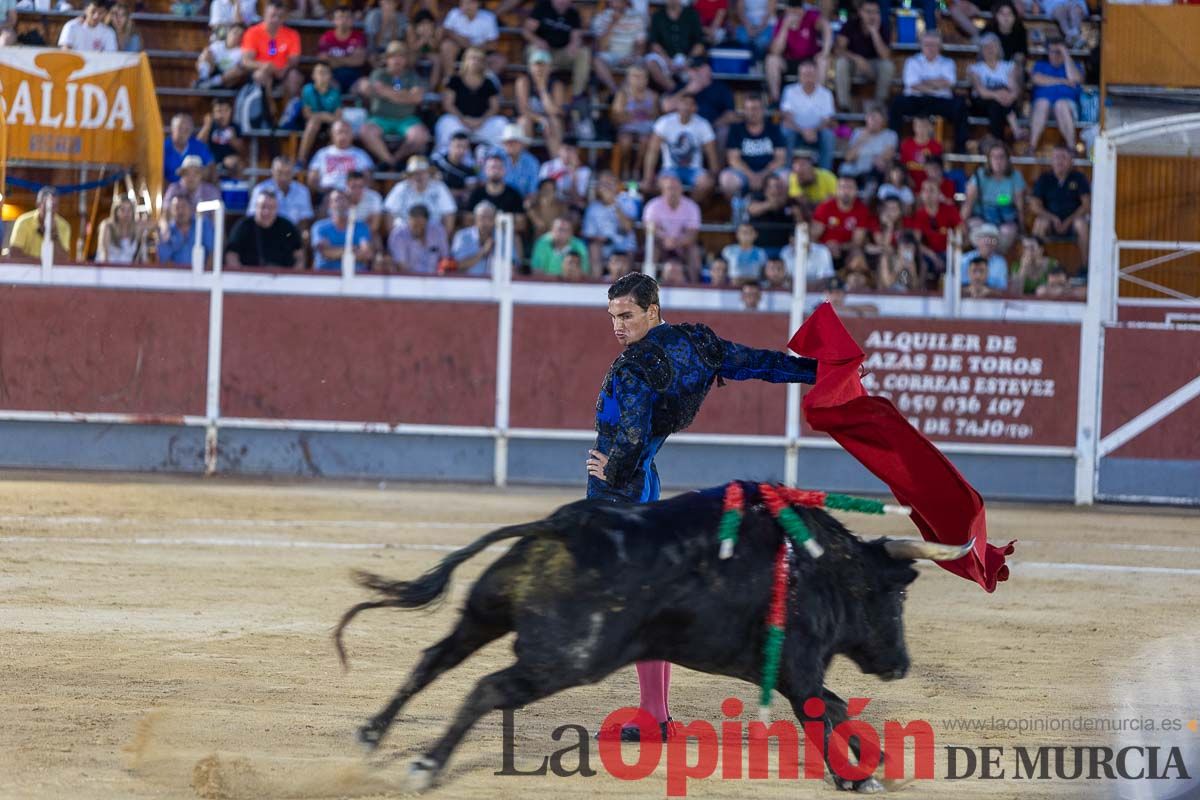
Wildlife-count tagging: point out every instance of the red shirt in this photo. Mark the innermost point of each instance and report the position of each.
(935, 229)
(913, 155)
(277, 50)
(948, 188)
(803, 41)
(707, 9)
(331, 46)
(840, 225)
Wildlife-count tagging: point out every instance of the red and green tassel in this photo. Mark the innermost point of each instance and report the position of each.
(842, 502)
(776, 629)
(731, 518)
(787, 519)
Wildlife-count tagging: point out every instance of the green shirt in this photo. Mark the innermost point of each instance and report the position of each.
(548, 260)
(1031, 284)
(386, 108)
(329, 102)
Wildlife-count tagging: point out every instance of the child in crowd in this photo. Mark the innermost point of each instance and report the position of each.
(321, 104)
(745, 260)
(634, 109)
(897, 186)
(775, 274)
(718, 273)
(919, 148)
(220, 64)
(425, 44)
(544, 207)
(224, 138)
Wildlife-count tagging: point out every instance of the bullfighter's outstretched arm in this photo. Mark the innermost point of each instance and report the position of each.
(745, 363)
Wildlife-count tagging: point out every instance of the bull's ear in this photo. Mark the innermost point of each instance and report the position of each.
(904, 549)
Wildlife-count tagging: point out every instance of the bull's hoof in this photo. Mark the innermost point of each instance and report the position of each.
(369, 736)
(421, 774)
(868, 786)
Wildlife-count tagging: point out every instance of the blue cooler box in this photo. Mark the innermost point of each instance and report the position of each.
(730, 62)
(906, 26)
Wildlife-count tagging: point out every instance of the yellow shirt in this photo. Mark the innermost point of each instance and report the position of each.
(824, 187)
(26, 240)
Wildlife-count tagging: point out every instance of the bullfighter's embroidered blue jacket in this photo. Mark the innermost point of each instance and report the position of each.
(656, 387)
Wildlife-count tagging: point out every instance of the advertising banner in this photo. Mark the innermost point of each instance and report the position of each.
(100, 108)
(975, 381)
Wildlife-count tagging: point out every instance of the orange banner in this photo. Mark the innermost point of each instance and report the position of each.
(98, 108)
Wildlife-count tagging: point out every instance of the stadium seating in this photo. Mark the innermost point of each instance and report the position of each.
(173, 43)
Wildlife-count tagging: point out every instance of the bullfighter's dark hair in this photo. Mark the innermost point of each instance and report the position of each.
(642, 288)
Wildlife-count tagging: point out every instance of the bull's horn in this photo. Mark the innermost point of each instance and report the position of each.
(915, 548)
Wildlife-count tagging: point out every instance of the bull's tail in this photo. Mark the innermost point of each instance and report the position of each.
(430, 586)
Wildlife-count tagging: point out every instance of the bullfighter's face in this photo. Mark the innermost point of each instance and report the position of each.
(631, 322)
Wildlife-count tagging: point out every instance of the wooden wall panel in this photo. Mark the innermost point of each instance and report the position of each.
(1158, 198)
(1151, 45)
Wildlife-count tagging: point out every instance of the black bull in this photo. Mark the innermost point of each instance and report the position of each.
(597, 586)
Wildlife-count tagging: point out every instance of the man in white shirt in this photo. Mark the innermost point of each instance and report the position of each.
(820, 263)
(228, 12)
(420, 188)
(684, 141)
(929, 79)
(295, 200)
(465, 26)
(332, 164)
(88, 33)
(367, 203)
(807, 116)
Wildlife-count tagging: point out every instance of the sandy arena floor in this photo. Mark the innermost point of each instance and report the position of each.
(170, 639)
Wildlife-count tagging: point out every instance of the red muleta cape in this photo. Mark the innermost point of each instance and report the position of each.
(945, 508)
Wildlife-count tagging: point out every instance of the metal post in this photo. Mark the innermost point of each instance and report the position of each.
(348, 260)
(216, 309)
(648, 266)
(48, 250)
(791, 462)
(198, 243)
(1101, 307)
(952, 281)
(218, 237)
(502, 269)
(81, 239)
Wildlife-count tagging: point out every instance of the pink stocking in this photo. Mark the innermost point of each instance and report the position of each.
(654, 678)
(666, 688)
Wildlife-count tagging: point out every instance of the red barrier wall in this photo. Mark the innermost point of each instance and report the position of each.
(1141, 367)
(1160, 314)
(349, 359)
(103, 350)
(423, 362)
(999, 382)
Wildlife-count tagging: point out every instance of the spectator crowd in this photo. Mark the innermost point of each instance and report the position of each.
(414, 123)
